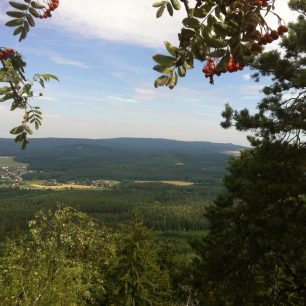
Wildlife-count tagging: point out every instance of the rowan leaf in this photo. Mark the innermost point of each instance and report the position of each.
(14, 22)
(160, 11)
(176, 5)
(171, 49)
(170, 8)
(164, 60)
(158, 4)
(19, 6)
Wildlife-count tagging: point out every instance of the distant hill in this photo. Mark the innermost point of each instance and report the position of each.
(122, 158)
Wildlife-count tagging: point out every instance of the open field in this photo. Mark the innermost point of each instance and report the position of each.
(8, 161)
(174, 183)
(40, 184)
(63, 186)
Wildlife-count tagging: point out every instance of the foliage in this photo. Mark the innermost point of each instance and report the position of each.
(61, 262)
(281, 112)
(67, 259)
(17, 89)
(135, 278)
(223, 33)
(176, 212)
(255, 252)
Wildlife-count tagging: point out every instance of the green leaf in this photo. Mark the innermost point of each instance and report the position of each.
(171, 49)
(14, 23)
(160, 11)
(172, 81)
(224, 61)
(18, 30)
(158, 4)
(218, 53)
(211, 20)
(7, 97)
(162, 69)
(5, 90)
(34, 12)
(24, 144)
(30, 20)
(48, 76)
(161, 81)
(192, 23)
(15, 14)
(37, 5)
(17, 130)
(19, 6)
(212, 41)
(25, 30)
(176, 5)
(169, 8)
(181, 71)
(199, 12)
(164, 60)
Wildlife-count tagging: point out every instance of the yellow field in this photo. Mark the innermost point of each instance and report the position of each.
(174, 183)
(63, 186)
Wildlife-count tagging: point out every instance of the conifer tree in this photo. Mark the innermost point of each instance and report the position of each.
(255, 252)
(135, 278)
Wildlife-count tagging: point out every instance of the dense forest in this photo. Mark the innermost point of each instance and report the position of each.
(125, 158)
(162, 207)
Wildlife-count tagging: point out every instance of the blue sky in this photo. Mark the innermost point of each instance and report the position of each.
(102, 53)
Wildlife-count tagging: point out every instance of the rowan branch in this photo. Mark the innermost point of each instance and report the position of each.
(186, 4)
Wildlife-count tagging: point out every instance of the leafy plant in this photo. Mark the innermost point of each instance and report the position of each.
(18, 89)
(224, 34)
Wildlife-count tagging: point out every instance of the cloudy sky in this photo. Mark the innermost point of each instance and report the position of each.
(102, 52)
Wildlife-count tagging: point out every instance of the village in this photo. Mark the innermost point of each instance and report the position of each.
(12, 176)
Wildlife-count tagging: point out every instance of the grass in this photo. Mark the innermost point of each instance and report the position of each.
(174, 183)
(8, 161)
(40, 184)
(64, 186)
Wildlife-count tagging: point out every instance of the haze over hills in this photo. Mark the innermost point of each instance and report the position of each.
(122, 158)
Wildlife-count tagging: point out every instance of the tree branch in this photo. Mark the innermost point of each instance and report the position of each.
(186, 4)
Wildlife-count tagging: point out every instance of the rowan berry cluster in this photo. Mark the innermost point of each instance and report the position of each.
(262, 3)
(52, 5)
(211, 68)
(6, 53)
(268, 38)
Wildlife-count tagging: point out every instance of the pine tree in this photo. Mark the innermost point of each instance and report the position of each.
(135, 278)
(255, 252)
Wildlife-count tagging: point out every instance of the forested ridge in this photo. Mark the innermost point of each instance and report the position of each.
(125, 158)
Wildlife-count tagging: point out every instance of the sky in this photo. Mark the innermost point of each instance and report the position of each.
(102, 52)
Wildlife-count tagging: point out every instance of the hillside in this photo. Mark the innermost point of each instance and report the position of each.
(122, 158)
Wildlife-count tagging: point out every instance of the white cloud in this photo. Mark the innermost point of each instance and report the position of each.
(252, 89)
(120, 99)
(130, 21)
(246, 77)
(46, 98)
(58, 59)
(145, 93)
